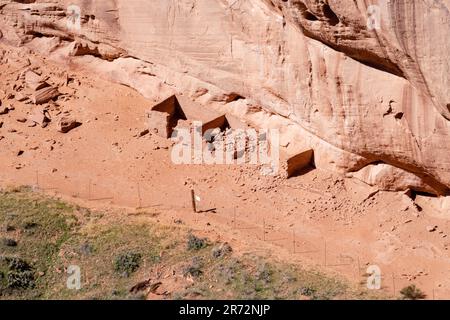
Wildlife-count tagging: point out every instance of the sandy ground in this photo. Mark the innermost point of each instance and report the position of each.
(318, 219)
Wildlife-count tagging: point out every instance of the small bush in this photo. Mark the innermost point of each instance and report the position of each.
(229, 271)
(20, 279)
(411, 292)
(195, 243)
(264, 273)
(307, 291)
(9, 228)
(20, 274)
(221, 250)
(30, 225)
(127, 263)
(17, 264)
(9, 242)
(194, 269)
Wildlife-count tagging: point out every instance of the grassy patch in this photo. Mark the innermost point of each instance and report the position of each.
(115, 253)
(254, 278)
(39, 227)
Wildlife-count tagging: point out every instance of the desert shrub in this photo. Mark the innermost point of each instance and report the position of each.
(264, 273)
(411, 292)
(9, 242)
(30, 225)
(19, 274)
(194, 269)
(17, 264)
(127, 263)
(307, 291)
(195, 243)
(221, 250)
(20, 279)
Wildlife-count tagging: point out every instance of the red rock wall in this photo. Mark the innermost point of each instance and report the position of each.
(356, 94)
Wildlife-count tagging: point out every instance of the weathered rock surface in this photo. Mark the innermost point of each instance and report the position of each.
(67, 123)
(355, 93)
(40, 117)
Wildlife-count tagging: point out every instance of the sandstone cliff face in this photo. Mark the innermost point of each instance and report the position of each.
(369, 97)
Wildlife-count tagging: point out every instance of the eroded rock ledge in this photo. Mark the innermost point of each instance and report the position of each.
(375, 101)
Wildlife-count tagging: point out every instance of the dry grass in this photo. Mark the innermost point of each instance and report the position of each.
(116, 252)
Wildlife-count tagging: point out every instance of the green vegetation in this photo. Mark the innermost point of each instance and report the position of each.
(411, 292)
(127, 257)
(195, 243)
(19, 274)
(127, 263)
